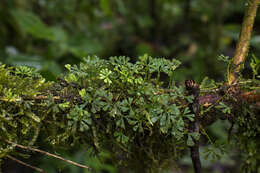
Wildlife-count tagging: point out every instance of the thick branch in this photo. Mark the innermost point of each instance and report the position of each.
(243, 41)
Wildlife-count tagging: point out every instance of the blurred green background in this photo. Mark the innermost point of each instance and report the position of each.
(47, 34)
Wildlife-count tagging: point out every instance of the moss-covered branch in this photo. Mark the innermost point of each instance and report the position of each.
(117, 106)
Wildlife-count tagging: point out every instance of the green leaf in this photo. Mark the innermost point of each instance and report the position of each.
(155, 119)
(120, 123)
(163, 123)
(190, 141)
(32, 24)
(82, 93)
(72, 78)
(174, 64)
(68, 66)
(64, 105)
(131, 122)
(175, 110)
(207, 83)
(224, 108)
(105, 6)
(224, 58)
(195, 135)
(148, 117)
(255, 64)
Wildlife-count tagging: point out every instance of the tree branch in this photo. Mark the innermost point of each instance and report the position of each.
(243, 41)
(25, 164)
(194, 89)
(46, 153)
(251, 96)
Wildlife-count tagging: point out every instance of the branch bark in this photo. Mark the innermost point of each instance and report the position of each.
(243, 41)
(194, 89)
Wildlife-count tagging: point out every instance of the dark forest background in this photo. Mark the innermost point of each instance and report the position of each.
(47, 34)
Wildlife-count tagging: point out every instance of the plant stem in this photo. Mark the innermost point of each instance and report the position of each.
(194, 89)
(243, 41)
(46, 153)
(25, 164)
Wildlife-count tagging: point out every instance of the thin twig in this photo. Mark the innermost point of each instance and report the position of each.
(48, 154)
(25, 164)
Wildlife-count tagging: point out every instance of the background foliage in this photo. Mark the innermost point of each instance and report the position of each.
(47, 34)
